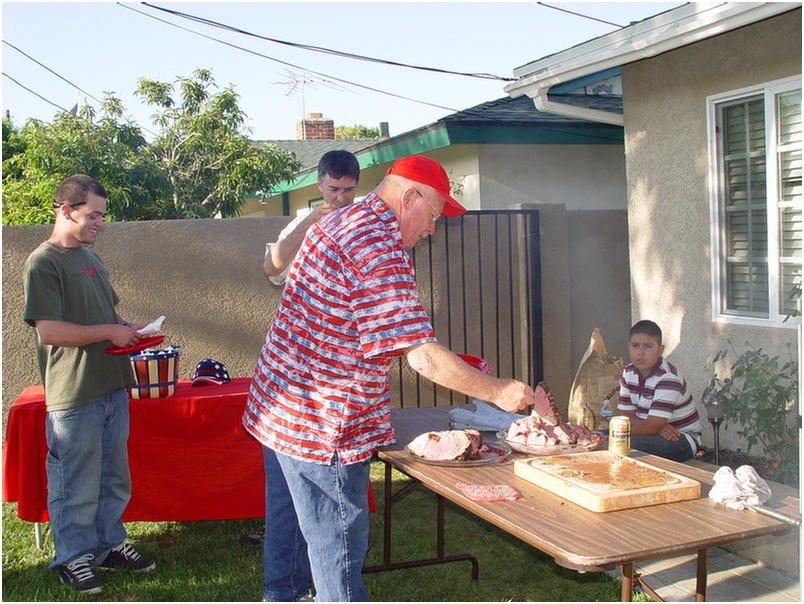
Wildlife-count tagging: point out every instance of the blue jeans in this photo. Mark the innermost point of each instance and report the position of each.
(88, 482)
(655, 444)
(316, 520)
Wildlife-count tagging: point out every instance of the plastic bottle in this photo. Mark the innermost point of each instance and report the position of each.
(605, 415)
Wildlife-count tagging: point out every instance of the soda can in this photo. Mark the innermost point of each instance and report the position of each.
(620, 435)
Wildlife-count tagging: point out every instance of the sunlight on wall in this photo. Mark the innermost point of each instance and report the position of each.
(653, 277)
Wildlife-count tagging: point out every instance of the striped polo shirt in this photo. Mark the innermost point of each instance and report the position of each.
(663, 394)
(349, 306)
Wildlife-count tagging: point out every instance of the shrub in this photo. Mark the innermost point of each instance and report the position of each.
(760, 398)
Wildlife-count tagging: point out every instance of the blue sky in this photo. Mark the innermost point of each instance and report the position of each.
(103, 46)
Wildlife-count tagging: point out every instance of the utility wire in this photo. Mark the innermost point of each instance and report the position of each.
(51, 71)
(568, 131)
(321, 49)
(36, 94)
(564, 10)
(253, 52)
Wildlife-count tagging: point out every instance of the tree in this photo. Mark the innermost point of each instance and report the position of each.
(356, 131)
(40, 155)
(210, 164)
(200, 164)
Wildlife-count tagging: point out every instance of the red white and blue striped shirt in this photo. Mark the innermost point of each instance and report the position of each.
(663, 394)
(349, 306)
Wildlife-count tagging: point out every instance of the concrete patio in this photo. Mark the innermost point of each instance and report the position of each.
(731, 579)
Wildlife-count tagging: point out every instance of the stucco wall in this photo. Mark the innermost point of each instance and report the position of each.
(668, 209)
(585, 284)
(206, 277)
(582, 177)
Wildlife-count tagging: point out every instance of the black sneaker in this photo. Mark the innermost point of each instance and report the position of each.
(124, 556)
(257, 538)
(78, 573)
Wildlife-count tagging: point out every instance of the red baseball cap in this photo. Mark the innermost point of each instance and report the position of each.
(428, 172)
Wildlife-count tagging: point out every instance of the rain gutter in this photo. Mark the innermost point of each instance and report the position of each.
(666, 31)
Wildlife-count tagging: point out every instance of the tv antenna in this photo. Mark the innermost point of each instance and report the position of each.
(297, 82)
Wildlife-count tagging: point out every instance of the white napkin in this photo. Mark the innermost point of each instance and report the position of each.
(739, 489)
(482, 416)
(152, 327)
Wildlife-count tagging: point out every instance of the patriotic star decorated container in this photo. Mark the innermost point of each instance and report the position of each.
(156, 372)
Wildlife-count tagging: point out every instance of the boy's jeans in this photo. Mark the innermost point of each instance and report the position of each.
(88, 481)
(655, 444)
(328, 504)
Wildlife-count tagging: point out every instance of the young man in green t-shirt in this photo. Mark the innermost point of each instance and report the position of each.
(71, 304)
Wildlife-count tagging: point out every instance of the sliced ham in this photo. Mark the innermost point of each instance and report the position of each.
(448, 445)
(543, 406)
(543, 427)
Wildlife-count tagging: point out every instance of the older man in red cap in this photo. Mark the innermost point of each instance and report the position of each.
(319, 397)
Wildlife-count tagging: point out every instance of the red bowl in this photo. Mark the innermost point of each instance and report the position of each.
(476, 362)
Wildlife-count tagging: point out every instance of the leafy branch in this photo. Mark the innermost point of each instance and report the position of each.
(760, 393)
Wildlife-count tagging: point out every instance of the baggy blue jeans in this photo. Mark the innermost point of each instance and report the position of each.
(88, 480)
(316, 521)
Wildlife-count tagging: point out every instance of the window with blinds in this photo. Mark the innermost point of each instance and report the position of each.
(758, 203)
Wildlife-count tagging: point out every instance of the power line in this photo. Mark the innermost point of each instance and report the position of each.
(564, 10)
(37, 94)
(51, 71)
(258, 54)
(93, 97)
(568, 132)
(322, 49)
(57, 106)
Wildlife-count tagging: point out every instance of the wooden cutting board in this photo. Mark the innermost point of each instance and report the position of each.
(602, 482)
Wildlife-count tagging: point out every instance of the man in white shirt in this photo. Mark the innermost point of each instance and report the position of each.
(338, 175)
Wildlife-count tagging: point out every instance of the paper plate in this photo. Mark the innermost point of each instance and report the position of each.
(557, 449)
(494, 452)
(141, 345)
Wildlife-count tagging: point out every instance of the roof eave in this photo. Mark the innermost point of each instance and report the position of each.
(673, 29)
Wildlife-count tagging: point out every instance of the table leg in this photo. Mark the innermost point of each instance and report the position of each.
(627, 573)
(700, 579)
(38, 534)
(386, 554)
(386, 532)
(639, 581)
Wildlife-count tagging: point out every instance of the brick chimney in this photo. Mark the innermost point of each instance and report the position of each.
(315, 127)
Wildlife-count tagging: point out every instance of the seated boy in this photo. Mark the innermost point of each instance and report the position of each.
(654, 396)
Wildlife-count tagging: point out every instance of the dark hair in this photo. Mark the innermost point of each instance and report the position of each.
(647, 327)
(73, 190)
(338, 164)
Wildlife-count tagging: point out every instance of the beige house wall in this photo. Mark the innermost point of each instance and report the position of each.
(581, 177)
(459, 161)
(668, 207)
(495, 177)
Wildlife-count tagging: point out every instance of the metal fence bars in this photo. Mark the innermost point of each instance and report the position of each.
(479, 279)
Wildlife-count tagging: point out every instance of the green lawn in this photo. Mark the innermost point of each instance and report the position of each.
(203, 561)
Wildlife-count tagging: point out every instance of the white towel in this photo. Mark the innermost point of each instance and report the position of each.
(739, 489)
(152, 327)
(482, 416)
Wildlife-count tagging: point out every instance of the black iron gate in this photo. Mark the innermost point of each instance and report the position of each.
(479, 279)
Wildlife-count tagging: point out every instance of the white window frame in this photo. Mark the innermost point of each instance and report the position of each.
(716, 219)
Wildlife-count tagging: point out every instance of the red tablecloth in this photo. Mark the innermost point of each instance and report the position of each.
(189, 455)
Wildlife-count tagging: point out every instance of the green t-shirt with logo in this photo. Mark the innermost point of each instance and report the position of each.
(71, 284)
